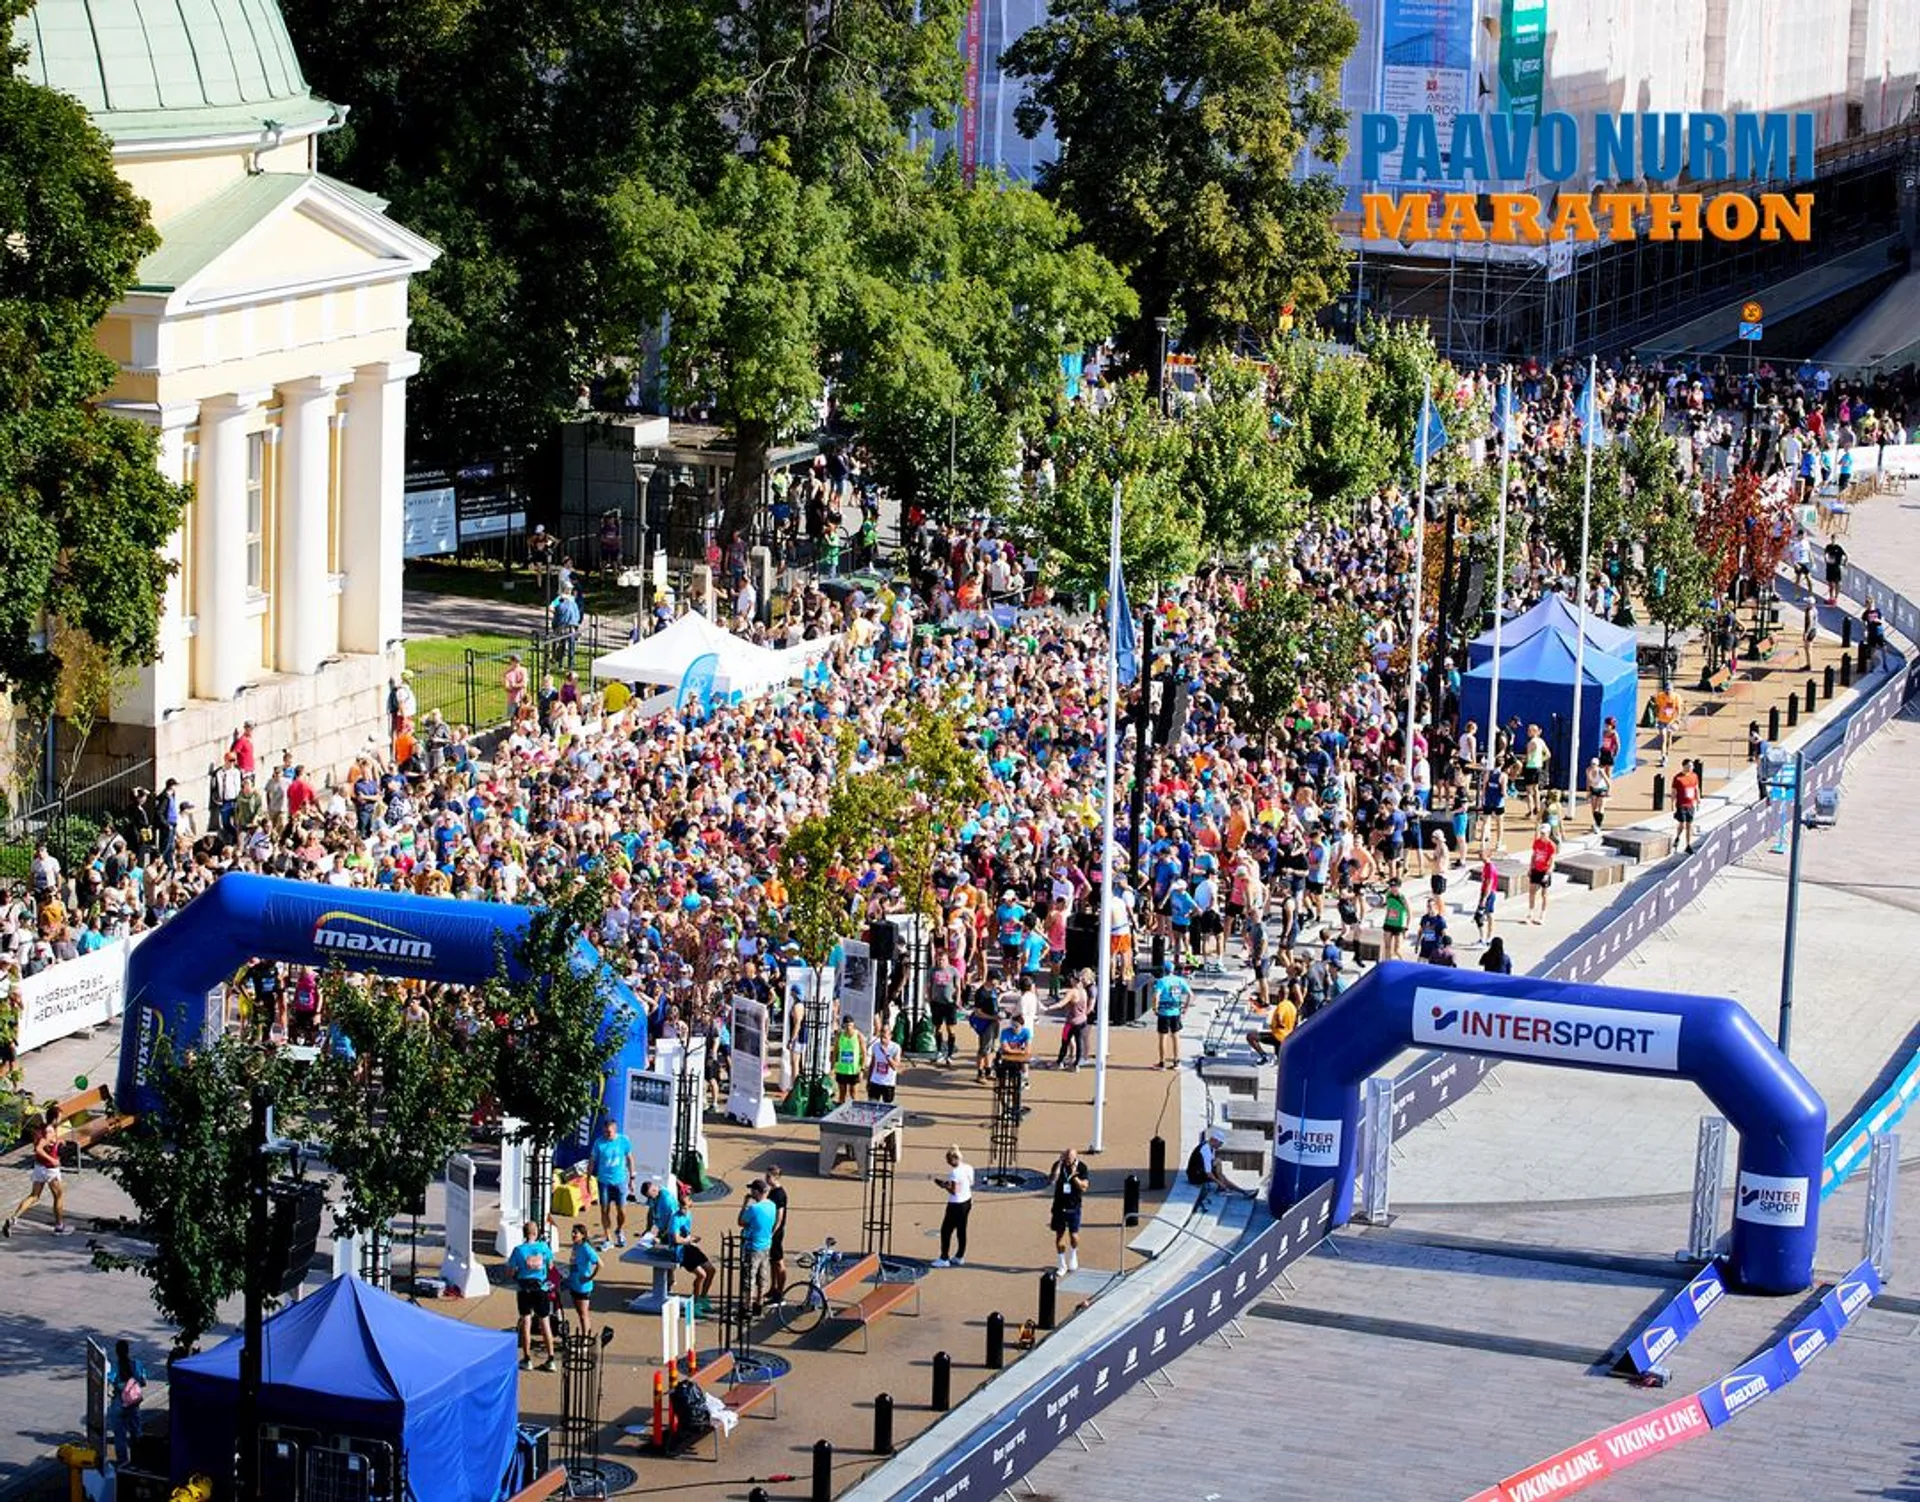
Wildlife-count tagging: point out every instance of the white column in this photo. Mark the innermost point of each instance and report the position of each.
(371, 521)
(301, 593)
(162, 684)
(221, 649)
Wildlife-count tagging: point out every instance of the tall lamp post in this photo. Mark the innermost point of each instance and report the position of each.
(644, 465)
(1163, 324)
(1782, 774)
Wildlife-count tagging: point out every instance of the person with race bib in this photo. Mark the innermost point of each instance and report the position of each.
(849, 1060)
(529, 1265)
(613, 1171)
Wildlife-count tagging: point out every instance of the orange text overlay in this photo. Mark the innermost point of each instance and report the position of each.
(1521, 218)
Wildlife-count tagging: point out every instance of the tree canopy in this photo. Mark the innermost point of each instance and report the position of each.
(84, 509)
(1183, 123)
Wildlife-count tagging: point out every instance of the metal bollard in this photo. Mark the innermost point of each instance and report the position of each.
(996, 1341)
(1157, 1164)
(883, 1424)
(1773, 723)
(942, 1382)
(1049, 1300)
(1793, 710)
(1846, 633)
(1865, 663)
(1846, 671)
(1130, 1200)
(823, 1470)
(1826, 685)
(1659, 791)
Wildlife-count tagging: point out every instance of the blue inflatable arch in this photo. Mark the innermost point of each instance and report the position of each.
(1709, 1040)
(174, 974)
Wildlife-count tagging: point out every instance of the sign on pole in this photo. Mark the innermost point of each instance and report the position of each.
(747, 1101)
(460, 1267)
(650, 1102)
(856, 983)
(513, 1186)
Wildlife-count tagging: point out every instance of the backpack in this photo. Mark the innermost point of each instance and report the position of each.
(131, 1391)
(1196, 1169)
(689, 1402)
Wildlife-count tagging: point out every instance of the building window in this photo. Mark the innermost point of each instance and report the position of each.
(256, 513)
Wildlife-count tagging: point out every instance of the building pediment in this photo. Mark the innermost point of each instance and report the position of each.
(272, 235)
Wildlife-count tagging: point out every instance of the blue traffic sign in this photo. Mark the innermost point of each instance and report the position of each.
(1751, 331)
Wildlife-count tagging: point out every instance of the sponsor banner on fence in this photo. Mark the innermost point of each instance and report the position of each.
(78, 994)
(1677, 1321)
(1767, 1200)
(1310, 1140)
(1742, 1387)
(1847, 1300)
(1606, 1454)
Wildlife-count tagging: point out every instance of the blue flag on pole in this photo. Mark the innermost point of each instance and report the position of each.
(1432, 436)
(1593, 427)
(1126, 646)
(1506, 416)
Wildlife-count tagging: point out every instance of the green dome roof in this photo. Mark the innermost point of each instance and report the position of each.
(154, 69)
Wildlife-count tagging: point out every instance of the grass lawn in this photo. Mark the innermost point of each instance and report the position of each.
(439, 667)
(480, 579)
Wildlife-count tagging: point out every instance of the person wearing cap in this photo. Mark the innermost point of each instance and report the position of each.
(1181, 909)
(1205, 1170)
(757, 1217)
(1172, 995)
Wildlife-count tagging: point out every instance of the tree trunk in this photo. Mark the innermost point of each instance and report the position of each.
(751, 443)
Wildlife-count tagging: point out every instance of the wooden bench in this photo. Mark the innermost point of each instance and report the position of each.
(883, 1300)
(1592, 869)
(741, 1397)
(553, 1484)
(95, 1131)
(1640, 844)
(839, 1288)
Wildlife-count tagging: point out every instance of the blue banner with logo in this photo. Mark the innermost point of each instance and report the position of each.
(1780, 1363)
(1677, 1321)
(696, 684)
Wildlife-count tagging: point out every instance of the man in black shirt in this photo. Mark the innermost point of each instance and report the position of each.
(1069, 1194)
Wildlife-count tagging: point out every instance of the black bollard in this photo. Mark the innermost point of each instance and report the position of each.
(942, 1382)
(1846, 671)
(996, 1341)
(1157, 1164)
(1813, 696)
(1846, 632)
(1866, 660)
(823, 1470)
(1130, 1199)
(1826, 683)
(1773, 723)
(1659, 791)
(1793, 710)
(883, 1424)
(1049, 1300)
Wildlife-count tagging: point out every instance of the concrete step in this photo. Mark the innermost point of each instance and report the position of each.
(1592, 869)
(1640, 844)
(1247, 1150)
(1247, 1080)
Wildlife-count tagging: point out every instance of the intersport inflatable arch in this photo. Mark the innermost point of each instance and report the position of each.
(1712, 1041)
(174, 976)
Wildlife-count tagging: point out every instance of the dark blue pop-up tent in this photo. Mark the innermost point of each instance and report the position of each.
(351, 1362)
(1536, 684)
(1553, 613)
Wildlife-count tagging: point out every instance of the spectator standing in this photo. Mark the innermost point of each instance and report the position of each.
(757, 1217)
(126, 1393)
(583, 1266)
(530, 1263)
(1073, 1006)
(958, 1183)
(613, 1171)
(1172, 995)
(1070, 1180)
(777, 1252)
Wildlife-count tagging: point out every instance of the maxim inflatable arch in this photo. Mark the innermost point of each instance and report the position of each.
(1709, 1040)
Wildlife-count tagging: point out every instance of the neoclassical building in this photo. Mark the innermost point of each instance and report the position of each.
(266, 342)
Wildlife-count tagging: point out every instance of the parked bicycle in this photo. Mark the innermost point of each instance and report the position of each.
(804, 1305)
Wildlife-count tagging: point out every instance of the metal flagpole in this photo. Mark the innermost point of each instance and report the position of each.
(1500, 559)
(1419, 576)
(1109, 877)
(1587, 425)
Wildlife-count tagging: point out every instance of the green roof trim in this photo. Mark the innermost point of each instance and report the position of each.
(168, 69)
(193, 241)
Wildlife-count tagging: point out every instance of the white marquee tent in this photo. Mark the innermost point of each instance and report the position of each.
(744, 668)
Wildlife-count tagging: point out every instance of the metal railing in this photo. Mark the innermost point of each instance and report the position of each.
(472, 691)
(72, 820)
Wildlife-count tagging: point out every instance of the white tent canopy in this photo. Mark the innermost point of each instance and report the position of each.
(745, 667)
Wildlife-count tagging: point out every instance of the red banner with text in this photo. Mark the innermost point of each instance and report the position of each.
(1606, 1454)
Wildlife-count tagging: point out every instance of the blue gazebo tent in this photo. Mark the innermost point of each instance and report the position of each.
(352, 1362)
(1553, 613)
(1536, 685)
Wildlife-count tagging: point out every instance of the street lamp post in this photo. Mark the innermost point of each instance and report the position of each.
(644, 464)
(1783, 773)
(1163, 324)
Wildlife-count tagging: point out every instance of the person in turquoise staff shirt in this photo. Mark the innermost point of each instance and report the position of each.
(1172, 995)
(662, 1205)
(582, 1268)
(531, 1264)
(613, 1171)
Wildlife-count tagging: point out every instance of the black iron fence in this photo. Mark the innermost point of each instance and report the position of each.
(71, 821)
(471, 690)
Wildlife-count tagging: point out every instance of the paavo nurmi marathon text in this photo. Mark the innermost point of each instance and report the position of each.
(1637, 151)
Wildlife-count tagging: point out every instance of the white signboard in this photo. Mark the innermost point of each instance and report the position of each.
(429, 523)
(857, 984)
(800, 983)
(75, 995)
(747, 1101)
(513, 1180)
(650, 1097)
(461, 1269)
(689, 1073)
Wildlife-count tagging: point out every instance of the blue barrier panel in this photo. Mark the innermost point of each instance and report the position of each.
(1710, 1040)
(1676, 1322)
(1852, 1149)
(1742, 1387)
(1780, 1363)
(173, 977)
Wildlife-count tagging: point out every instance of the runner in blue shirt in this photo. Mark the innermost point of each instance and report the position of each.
(582, 1269)
(531, 1264)
(1180, 911)
(1171, 997)
(613, 1170)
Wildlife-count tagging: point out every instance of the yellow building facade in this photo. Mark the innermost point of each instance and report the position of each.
(266, 342)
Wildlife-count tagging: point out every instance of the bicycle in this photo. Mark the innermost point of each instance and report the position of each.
(804, 1305)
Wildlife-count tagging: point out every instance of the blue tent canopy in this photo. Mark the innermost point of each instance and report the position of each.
(1536, 685)
(1553, 613)
(352, 1361)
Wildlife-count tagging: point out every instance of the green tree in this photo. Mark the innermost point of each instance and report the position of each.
(1238, 470)
(84, 510)
(188, 1168)
(398, 1109)
(1160, 521)
(1336, 448)
(1186, 121)
(559, 1030)
(1614, 513)
(1405, 364)
(1285, 643)
(1679, 575)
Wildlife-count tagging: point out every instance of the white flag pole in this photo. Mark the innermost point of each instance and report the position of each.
(1109, 876)
(1586, 523)
(1500, 562)
(1419, 577)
